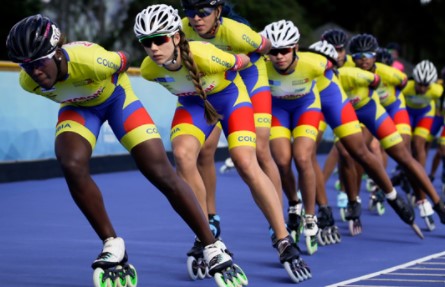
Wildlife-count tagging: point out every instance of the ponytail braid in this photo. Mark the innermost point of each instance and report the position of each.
(210, 114)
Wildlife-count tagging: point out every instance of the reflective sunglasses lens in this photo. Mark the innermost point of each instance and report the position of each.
(37, 64)
(158, 40)
(366, 55)
(282, 51)
(202, 12)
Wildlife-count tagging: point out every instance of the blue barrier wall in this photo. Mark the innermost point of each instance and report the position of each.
(28, 121)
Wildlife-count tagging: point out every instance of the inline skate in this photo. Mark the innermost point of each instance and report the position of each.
(406, 212)
(221, 267)
(228, 165)
(294, 220)
(352, 215)
(311, 233)
(111, 267)
(294, 265)
(329, 233)
(342, 203)
(376, 200)
(426, 212)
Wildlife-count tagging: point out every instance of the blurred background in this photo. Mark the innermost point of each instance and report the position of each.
(417, 26)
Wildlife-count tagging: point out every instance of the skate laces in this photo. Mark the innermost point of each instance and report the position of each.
(215, 255)
(113, 250)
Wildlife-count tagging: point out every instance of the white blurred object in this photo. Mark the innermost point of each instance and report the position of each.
(228, 165)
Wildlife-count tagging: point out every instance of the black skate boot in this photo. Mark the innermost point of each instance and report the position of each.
(397, 176)
(406, 212)
(221, 266)
(329, 233)
(352, 215)
(439, 208)
(291, 260)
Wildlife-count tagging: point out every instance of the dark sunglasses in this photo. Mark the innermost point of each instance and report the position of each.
(282, 51)
(157, 39)
(201, 12)
(365, 55)
(37, 63)
(424, 85)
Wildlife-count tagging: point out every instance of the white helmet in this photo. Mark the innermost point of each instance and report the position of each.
(325, 48)
(282, 34)
(425, 73)
(157, 19)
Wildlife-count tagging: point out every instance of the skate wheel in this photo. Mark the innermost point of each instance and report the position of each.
(294, 274)
(240, 275)
(320, 239)
(202, 270)
(231, 277)
(380, 208)
(192, 267)
(100, 280)
(126, 276)
(223, 169)
(295, 236)
(371, 205)
(342, 214)
(430, 223)
(329, 238)
(355, 227)
(223, 282)
(337, 185)
(336, 237)
(311, 244)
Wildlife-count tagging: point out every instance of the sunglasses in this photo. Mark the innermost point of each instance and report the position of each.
(201, 12)
(157, 39)
(38, 63)
(365, 55)
(423, 85)
(282, 51)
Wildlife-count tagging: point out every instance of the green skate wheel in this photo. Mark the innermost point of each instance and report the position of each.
(101, 278)
(380, 208)
(240, 275)
(342, 214)
(337, 185)
(311, 244)
(125, 276)
(222, 281)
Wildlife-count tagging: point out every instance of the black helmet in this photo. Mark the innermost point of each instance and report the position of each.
(194, 4)
(363, 43)
(384, 56)
(31, 38)
(335, 37)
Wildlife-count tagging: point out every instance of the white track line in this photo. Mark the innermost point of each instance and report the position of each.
(414, 262)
